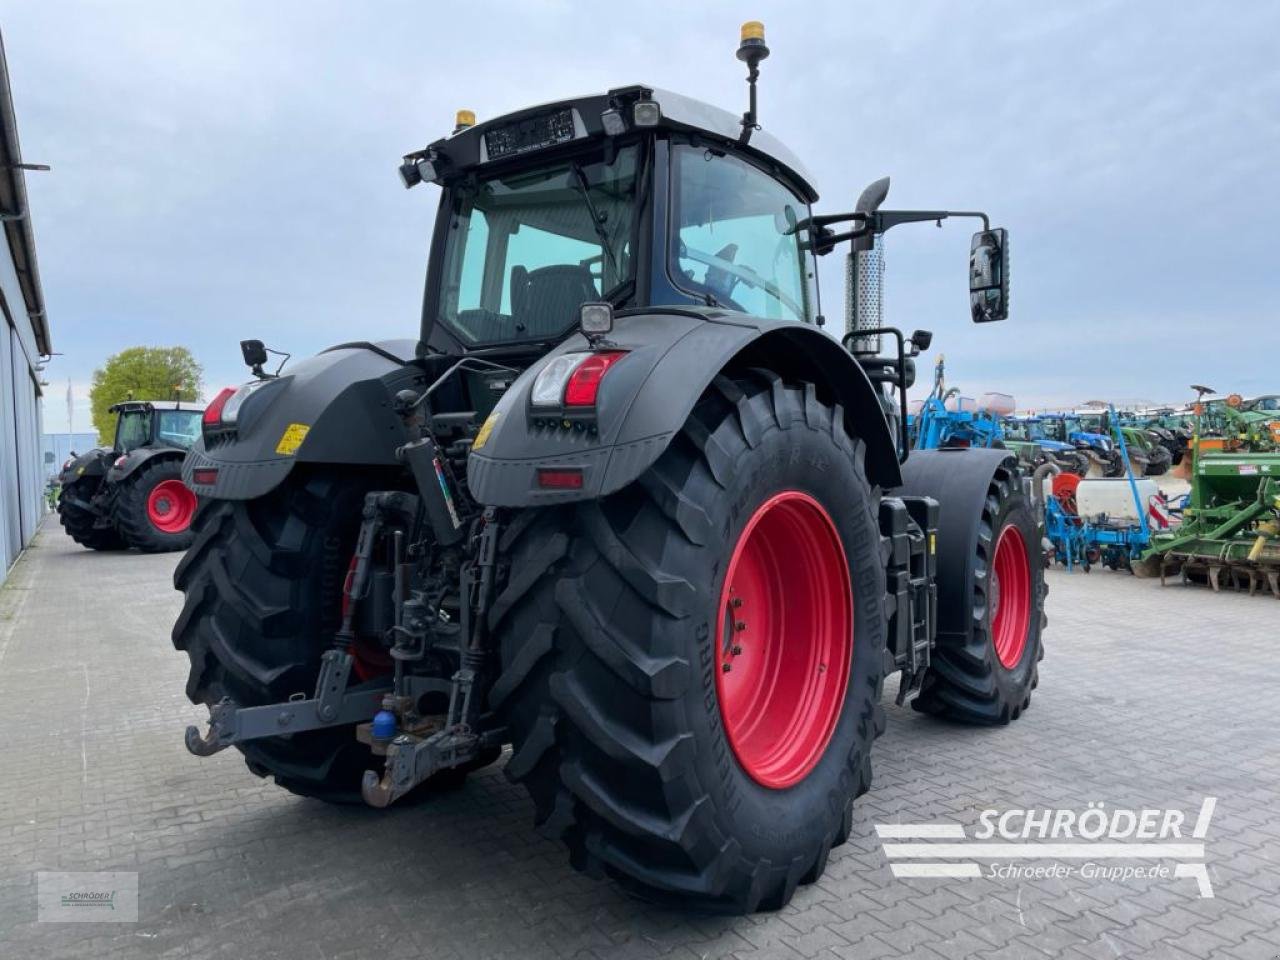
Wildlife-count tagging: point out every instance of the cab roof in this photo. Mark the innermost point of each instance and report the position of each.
(577, 120)
(127, 405)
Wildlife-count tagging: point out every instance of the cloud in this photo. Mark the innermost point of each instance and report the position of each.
(225, 171)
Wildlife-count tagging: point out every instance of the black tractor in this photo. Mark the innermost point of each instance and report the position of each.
(131, 494)
(626, 505)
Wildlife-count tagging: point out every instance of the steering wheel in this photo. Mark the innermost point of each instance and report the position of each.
(746, 275)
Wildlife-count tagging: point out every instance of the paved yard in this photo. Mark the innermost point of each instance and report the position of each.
(1149, 697)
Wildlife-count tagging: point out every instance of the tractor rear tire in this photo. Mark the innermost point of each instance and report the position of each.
(1161, 461)
(263, 582)
(81, 525)
(620, 631)
(983, 670)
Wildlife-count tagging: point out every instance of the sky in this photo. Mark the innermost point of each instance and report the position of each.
(228, 170)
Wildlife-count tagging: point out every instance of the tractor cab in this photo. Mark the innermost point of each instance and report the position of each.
(166, 423)
(650, 201)
(636, 197)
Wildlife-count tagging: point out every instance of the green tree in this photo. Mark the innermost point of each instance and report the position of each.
(141, 373)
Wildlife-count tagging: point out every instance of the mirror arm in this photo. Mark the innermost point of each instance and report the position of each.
(887, 219)
(878, 222)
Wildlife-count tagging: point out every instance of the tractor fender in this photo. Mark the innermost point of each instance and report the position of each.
(958, 478)
(136, 458)
(335, 407)
(91, 463)
(672, 357)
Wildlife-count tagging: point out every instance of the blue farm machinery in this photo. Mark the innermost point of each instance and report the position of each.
(1107, 521)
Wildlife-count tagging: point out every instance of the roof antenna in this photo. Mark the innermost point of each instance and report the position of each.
(751, 50)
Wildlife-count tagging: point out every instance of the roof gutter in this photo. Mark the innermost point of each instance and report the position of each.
(16, 214)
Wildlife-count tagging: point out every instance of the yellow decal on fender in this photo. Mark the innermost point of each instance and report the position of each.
(80, 471)
(292, 439)
(483, 436)
(933, 543)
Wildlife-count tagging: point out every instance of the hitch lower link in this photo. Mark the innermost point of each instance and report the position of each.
(413, 755)
(416, 747)
(331, 706)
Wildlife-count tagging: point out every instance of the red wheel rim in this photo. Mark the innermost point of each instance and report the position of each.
(1010, 597)
(786, 639)
(170, 506)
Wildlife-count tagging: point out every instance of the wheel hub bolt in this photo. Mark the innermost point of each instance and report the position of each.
(740, 625)
(737, 651)
(725, 667)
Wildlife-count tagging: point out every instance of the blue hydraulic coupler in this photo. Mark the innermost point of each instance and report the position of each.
(384, 725)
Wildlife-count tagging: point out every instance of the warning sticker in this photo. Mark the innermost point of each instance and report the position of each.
(292, 439)
(483, 436)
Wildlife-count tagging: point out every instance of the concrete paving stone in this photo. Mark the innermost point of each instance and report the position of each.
(94, 776)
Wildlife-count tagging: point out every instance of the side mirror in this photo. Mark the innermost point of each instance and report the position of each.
(989, 276)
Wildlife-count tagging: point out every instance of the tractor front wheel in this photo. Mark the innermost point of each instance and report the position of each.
(154, 508)
(691, 667)
(986, 662)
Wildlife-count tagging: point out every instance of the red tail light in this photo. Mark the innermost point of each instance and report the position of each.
(562, 479)
(213, 412)
(584, 383)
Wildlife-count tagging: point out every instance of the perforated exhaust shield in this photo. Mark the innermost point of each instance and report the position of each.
(863, 292)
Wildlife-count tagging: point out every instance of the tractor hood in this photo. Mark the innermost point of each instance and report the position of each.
(1092, 439)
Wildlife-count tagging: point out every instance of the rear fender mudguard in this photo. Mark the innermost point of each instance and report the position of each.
(958, 478)
(335, 407)
(90, 464)
(673, 356)
(138, 457)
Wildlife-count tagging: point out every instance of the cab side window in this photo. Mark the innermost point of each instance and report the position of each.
(736, 242)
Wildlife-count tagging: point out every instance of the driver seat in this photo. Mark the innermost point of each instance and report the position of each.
(544, 301)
